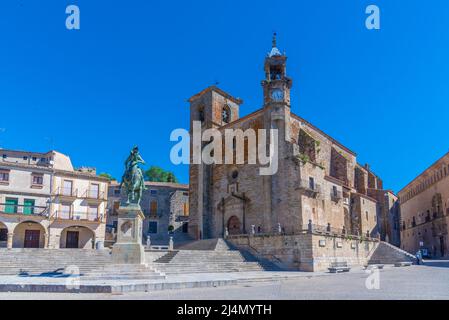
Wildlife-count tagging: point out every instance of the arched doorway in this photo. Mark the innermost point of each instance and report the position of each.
(3, 235)
(29, 234)
(234, 225)
(77, 237)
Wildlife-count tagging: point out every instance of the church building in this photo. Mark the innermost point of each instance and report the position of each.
(318, 184)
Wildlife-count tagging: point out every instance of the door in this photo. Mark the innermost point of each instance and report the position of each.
(31, 239)
(72, 239)
(11, 205)
(234, 225)
(28, 206)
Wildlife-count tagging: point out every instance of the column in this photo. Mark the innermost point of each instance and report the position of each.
(46, 240)
(10, 238)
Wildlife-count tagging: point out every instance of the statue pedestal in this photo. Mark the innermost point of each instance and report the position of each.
(129, 249)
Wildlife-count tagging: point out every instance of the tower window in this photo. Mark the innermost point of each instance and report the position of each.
(276, 72)
(201, 114)
(226, 114)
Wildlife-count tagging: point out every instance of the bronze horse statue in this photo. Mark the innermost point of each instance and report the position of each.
(132, 179)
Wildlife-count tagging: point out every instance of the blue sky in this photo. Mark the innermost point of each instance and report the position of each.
(384, 94)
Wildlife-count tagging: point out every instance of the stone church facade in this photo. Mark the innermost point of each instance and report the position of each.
(319, 182)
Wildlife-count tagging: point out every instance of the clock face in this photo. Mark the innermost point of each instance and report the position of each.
(277, 95)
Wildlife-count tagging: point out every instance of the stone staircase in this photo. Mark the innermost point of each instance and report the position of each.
(205, 256)
(42, 261)
(207, 244)
(167, 257)
(124, 272)
(266, 264)
(386, 253)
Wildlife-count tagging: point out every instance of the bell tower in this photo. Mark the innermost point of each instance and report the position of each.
(276, 86)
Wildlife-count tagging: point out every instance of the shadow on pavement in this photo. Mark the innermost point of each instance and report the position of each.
(436, 263)
(58, 273)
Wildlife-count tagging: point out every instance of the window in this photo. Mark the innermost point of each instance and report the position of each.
(65, 211)
(201, 114)
(4, 176)
(11, 205)
(152, 227)
(115, 225)
(185, 227)
(311, 183)
(28, 206)
(226, 114)
(185, 194)
(67, 189)
(117, 191)
(25, 158)
(334, 191)
(275, 72)
(94, 191)
(153, 207)
(116, 207)
(34, 159)
(92, 213)
(5, 156)
(153, 192)
(366, 213)
(37, 179)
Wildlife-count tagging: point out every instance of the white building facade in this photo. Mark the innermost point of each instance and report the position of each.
(46, 203)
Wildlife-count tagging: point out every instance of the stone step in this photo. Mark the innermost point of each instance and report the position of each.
(167, 258)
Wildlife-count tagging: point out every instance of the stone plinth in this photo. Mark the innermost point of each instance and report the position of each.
(129, 249)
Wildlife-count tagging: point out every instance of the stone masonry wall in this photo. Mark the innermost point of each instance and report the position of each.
(307, 252)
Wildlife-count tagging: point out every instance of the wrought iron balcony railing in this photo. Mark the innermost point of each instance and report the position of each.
(24, 209)
(336, 196)
(309, 186)
(66, 192)
(94, 195)
(77, 216)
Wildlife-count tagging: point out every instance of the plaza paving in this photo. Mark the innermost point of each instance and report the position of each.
(430, 281)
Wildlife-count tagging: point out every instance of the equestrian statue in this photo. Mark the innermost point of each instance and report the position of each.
(132, 179)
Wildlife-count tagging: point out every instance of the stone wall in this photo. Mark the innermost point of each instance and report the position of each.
(172, 201)
(424, 207)
(307, 252)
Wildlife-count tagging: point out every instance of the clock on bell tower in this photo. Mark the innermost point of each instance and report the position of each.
(276, 85)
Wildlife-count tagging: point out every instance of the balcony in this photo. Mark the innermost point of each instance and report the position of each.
(94, 196)
(67, 194)
(309, 188)
(336, 196)
(24, 210)
(77, 216)
(151, 213)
